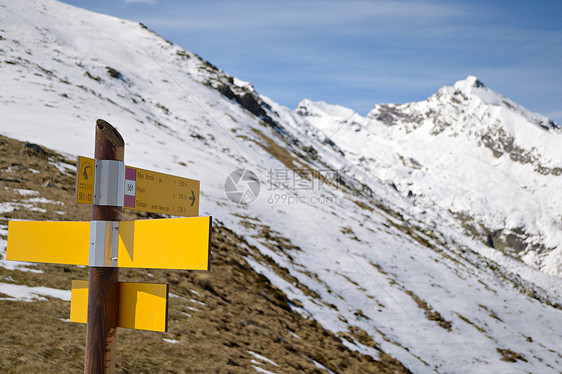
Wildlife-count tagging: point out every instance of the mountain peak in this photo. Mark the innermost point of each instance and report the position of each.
(469, 82)
(308, 107)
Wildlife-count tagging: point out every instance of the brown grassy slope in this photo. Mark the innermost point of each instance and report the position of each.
(218, 317)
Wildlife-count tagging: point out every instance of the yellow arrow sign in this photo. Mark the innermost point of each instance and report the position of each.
(155, 192)
(142, 306)
(175, 243)
(145, 190)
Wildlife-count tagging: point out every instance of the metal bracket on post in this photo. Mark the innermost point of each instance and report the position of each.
(104, 242)
(109, 183)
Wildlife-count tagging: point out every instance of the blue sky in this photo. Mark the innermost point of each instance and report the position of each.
(358, 53)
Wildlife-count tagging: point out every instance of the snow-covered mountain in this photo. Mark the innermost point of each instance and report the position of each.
(476, 154)
(429, 231)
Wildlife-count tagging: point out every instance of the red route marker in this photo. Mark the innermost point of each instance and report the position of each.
(130, 187)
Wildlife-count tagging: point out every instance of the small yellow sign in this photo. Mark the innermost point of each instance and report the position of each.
(142, 306)
(79, 301)
(85, 180)
(155, 192)
(174, 243)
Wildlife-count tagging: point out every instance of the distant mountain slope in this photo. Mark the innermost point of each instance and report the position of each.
(385, 234)
(471, 151)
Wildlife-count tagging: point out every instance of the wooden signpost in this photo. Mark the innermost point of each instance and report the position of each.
(106, 244)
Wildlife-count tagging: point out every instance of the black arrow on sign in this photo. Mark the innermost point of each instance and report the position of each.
(85, 172)
(192, 198)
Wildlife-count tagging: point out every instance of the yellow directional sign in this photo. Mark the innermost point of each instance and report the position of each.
(142, 306)
(175, 243)
(155, 192)
(145, 190)
(85, 180)
(46, 241)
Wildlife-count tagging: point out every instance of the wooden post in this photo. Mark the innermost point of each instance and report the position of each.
(103, 292)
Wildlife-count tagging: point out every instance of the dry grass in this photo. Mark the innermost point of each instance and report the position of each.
(430, 313)
(218, 317)
(510, 356)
